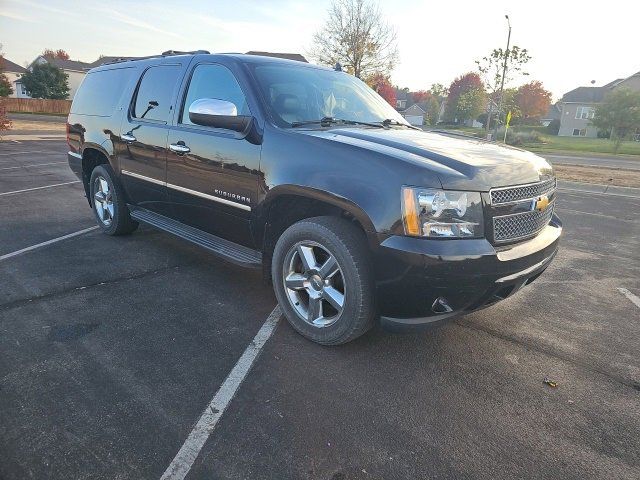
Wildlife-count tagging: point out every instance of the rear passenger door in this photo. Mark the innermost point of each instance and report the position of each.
(142, 145)
(212, 184)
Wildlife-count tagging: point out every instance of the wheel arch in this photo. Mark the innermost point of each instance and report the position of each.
(286, 204)
(92, 156)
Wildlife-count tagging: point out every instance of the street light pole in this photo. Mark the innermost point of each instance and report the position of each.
(504, 72)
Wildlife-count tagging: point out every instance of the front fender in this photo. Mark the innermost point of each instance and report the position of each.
(323, 196)
(364, 182)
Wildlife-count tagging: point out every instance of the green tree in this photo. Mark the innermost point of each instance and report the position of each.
(5, 85)
(491, 68)
(619, 113)
(460, 85)
(439, 90)
(470, 104)
(510, 104)
(433, 110)
(46, 81)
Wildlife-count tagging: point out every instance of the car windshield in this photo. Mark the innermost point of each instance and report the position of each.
(297, 94)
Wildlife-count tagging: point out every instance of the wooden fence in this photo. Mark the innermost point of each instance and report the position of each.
(36, 105)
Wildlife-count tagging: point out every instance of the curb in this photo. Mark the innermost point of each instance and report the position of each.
(599, 189)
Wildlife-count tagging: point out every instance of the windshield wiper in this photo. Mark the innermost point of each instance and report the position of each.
(387, 122)
(328, 121)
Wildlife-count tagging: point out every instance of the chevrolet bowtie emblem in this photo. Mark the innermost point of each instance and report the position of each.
(541, 203)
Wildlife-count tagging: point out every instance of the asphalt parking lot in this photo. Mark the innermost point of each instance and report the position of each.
(111, 349)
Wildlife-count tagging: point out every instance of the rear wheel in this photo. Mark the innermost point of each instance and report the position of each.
(322, 278)
(107, 200)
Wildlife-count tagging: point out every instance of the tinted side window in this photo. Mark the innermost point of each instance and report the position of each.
(214, 81)
(101, 91)
(155, 93)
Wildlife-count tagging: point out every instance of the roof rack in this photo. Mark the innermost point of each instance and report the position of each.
(177, 52)
(168, 53)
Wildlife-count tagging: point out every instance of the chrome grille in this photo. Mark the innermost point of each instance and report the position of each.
(521, 225)
(505, 195)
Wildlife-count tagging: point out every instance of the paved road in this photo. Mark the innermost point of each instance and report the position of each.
(37, 117)
(110, 349)
(604, 161)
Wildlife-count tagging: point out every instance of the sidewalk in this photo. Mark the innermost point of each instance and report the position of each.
(599, 189)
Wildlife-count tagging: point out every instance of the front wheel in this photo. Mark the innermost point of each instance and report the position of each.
(323, 280)
(108, 202)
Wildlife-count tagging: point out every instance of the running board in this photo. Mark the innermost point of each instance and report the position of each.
(231, 251)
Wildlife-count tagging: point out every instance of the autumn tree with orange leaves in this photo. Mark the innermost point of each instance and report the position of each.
(382, 85)
(59, 54)
(532, 100)
(420, 96)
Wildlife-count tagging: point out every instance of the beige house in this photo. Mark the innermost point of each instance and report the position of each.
(74, 69)
(13, 71)
(578, 106)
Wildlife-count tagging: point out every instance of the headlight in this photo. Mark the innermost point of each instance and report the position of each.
(441, 213)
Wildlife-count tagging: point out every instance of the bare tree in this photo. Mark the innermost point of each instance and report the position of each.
(356, 36)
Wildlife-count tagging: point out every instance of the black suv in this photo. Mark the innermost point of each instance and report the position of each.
(305, 172)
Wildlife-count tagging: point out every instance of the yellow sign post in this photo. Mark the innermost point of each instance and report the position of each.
(506, 126)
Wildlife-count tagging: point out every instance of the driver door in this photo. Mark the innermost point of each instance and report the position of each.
(212, 173)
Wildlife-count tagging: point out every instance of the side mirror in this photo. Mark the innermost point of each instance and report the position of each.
(211, 112)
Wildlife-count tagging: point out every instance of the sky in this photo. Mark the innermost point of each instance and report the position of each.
(572, 43)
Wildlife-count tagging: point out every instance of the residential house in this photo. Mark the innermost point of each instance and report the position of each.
(578, 106)
(553, 113)
(415, 114)
(13, 71)
(402, 99)
(76, 70)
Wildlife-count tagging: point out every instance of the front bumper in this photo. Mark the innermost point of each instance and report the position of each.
(423, 283)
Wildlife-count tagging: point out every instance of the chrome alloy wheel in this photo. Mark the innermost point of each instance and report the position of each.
(103, 201)
(314, 284)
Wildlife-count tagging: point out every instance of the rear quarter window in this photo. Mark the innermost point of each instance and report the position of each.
(101, 91)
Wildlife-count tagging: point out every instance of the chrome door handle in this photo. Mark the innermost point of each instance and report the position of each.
(179, 148)
(127, 137)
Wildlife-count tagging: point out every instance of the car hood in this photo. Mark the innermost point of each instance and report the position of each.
(460, 163)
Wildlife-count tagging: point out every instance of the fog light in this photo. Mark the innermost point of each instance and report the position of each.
(441, 305)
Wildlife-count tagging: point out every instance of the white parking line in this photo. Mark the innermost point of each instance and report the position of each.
(39, 188)
(34, 165)
(44, 244)
(34, 151)
(183, 461)
(634, 299)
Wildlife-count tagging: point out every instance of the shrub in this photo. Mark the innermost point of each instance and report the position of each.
(522, 137)
(554, 127)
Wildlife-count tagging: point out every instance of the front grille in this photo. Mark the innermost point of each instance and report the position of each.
(504, 195)
(521, 225)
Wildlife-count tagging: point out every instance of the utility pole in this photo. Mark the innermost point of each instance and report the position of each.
(504, 72)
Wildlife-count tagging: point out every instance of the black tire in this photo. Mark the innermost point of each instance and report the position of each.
(119, 222)
(347, 244)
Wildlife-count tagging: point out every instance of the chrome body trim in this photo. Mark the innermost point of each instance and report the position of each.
(209, 197)
(74, 154)
(142, 177)
(187, 190)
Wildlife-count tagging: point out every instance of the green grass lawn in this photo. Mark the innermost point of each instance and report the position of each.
(557, 144)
